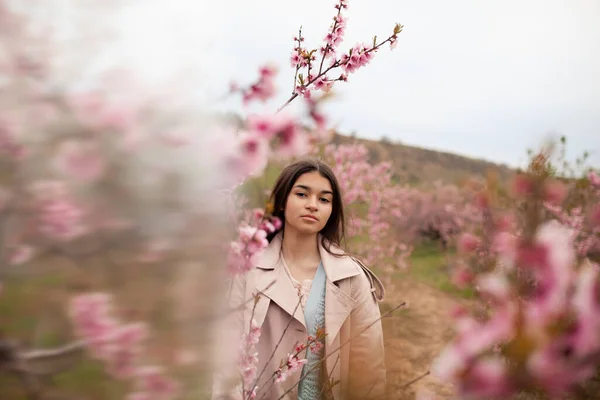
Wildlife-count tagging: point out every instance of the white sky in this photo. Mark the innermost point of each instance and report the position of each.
(483, 78)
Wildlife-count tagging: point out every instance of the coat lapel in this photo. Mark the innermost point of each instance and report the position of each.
(338, 303)
(273, 282)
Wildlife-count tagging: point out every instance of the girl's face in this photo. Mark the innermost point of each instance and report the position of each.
(309, 204)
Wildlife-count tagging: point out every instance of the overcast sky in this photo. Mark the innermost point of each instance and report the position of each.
(482, 78)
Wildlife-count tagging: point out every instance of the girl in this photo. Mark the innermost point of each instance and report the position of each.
(307, 286)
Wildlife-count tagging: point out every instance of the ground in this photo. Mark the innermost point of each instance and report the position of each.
(414, 336)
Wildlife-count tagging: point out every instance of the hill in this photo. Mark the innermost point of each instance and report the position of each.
(415, 165)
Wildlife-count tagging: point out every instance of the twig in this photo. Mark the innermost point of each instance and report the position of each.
(297, 66)
(276, 346)
(43, 354)
(17, 362)
(328, 386)
(406, 385)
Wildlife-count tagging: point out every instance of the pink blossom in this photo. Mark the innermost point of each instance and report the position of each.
(505, 222)
(462, 277)
(80, 159)
(281, 375)
(264, 88)
(494, 285)
(468, 243)
(58, 215)
(121, 362)
(553, 372)
(248, 357)
(488, 378)
(97, 111)
(122, 347)
(152, 380)
(90, 315)
(8, 140)
(553, 270)
(522, 185)
(554, 192)
(316, 346)
(594, 178)
(294, 363)
(21, 254)
(254, 153)
(585, 301)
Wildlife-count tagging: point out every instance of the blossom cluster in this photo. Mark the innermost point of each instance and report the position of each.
(539, 325)
(119, 346)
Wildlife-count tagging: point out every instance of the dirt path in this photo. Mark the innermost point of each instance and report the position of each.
(414, 336)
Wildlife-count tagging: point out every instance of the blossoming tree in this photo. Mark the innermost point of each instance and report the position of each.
(535, 268)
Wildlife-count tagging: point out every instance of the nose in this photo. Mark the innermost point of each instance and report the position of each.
(311, 204)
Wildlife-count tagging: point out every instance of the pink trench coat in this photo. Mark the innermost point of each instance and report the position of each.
(350, 307)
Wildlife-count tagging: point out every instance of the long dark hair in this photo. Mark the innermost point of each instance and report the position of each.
(334, 230)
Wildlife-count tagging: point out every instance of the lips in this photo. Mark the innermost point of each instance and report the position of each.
(309, 217)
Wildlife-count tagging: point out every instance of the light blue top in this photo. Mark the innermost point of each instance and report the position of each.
(311, 387)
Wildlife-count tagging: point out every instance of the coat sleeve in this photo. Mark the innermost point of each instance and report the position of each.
(367, 370)
(227, 334)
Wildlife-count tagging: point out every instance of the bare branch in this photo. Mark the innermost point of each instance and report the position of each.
(409, 383)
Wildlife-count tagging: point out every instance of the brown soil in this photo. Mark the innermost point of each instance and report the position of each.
(415, 335)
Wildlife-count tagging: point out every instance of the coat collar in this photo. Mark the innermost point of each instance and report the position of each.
(338, 304)
(337, 267)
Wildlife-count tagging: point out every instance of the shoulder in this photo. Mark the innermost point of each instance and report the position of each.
(366, 283)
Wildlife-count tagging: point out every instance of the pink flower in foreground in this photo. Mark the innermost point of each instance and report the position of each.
(594, 178)
(96, 110)
(468, 243)
(21, 254)
(153, 380)
(248, 356)
(8, 141)
(555, 192)
(291, 365)
(58, 215)
(522, 185)
(264, 88)
(462, 277)
(488, 378)
(81, 160)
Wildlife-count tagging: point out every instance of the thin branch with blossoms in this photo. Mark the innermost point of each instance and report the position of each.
(318, 364)
(290, 364)
(278, 343)
(357, 57)
(248, 358)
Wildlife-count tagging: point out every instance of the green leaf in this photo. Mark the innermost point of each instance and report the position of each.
(374, 40)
